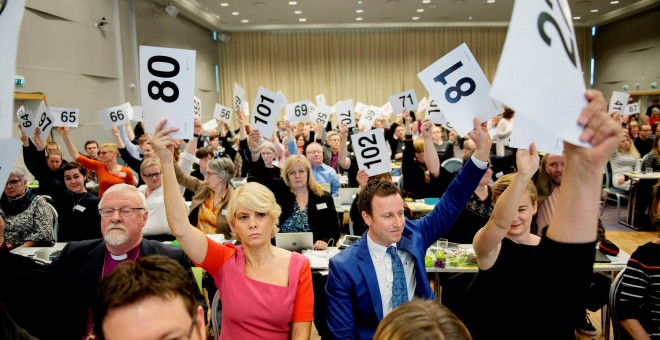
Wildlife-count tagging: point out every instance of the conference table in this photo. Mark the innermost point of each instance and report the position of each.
(641, 191)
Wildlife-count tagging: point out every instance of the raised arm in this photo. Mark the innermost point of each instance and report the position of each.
(576, 216)
(133, 149)
(255, 137)
(342, 158)
(118, 139)
(430, 155)
(488, 240)
(192, 240)
(64, 131)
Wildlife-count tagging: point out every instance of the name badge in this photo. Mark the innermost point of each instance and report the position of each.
(321, 206)
(224, 212)
(79, 208)
(121, 174)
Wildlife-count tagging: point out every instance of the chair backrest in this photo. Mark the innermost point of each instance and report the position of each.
(608, 175)
(56, 223)
(611, 304)
(452, 165)
(216, 315)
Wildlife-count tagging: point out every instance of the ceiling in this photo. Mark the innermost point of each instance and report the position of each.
(251, 15)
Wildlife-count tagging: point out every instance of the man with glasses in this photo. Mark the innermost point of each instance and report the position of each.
(151, 298)
(68, 283)
(644, 142)
(323, 174)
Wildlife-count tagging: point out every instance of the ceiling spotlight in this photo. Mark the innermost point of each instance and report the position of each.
(171, 10)
(293, 3)
(614, 2)
(358, 19)
(594, 10)
(426, 1)
(245, 21)
(359, 11)
(297, 12)
(224, 4)
(235, 13)
(577, 18)
(490, 1)
(420, 10)
(302, 19)
(469, 18)
(415, 18)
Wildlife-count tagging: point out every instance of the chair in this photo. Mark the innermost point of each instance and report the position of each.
(611, 304)
(452, 165)
(610, 193)
(56, 223)
(216, 315)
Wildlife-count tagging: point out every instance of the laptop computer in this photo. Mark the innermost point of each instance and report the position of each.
(294, 241)
(346, 195)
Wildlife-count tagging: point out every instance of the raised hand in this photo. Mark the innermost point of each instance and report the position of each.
(163, 143)
(343, 132)
(38, 140)
(527, 161)
(426, 129)
(600, 130)
(254, 139)
(63, 130)
(115, 131)
(362, 178)
(24, 137)
(198, 129)
(481, 138)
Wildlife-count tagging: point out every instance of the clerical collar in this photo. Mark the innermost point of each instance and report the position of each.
(132, 253)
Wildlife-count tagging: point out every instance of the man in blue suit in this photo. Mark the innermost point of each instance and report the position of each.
(361, 280)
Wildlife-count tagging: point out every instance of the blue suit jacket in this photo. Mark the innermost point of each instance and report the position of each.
(354, 303)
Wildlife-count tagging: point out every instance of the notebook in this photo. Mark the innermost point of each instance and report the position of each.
(346, 195)
(294, 241)
(601, 258)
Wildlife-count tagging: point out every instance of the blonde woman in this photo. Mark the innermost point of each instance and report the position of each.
(108, 171)
(623, 162)
(305, 206)
(266, 291)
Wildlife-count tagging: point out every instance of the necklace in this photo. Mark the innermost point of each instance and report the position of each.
(90, 332)
(75, 203)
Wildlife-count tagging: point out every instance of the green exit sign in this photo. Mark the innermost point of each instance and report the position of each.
(19, 81)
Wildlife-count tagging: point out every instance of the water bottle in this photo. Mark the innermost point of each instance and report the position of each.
(638, 166)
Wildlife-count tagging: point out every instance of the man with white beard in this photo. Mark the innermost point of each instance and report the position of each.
(69, 282)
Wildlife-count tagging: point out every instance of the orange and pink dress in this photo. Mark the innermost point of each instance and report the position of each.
(252, 309)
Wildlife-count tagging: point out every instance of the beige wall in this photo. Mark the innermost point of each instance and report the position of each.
(627, 52)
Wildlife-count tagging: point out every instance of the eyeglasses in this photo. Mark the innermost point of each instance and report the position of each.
(311, 152)
(104, 152)
(209, 173)
(123, 212)
(152, 176)
(13, 182)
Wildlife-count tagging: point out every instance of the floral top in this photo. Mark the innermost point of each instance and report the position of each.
(33, 224)
(297, 222)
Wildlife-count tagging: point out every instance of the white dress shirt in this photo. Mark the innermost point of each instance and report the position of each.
(156, 220)
(383, 265)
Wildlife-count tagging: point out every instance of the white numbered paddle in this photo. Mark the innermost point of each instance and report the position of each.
(631, 109)
(370, 152)
(298, 111)
(223, 113)
(266, 108)
(167, 78)
(618, 101)
(65, 116)
(345, 114)
(197, 107)
(404, 100)
(460, 89)
(114, 116)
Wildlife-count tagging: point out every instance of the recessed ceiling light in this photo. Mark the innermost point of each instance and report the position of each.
(469, 18)
(245, 21)
(426, 1)
(224, 4)
(577, 18)
(235, 13)
(594, 10)
(420, 10)
(359, 2)
(217, 16)
(490, 1)
(297, 12)
(359, 10)
(302, 19)
(614, 2)
(415, 18)
(293, 3)
(358, 19)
